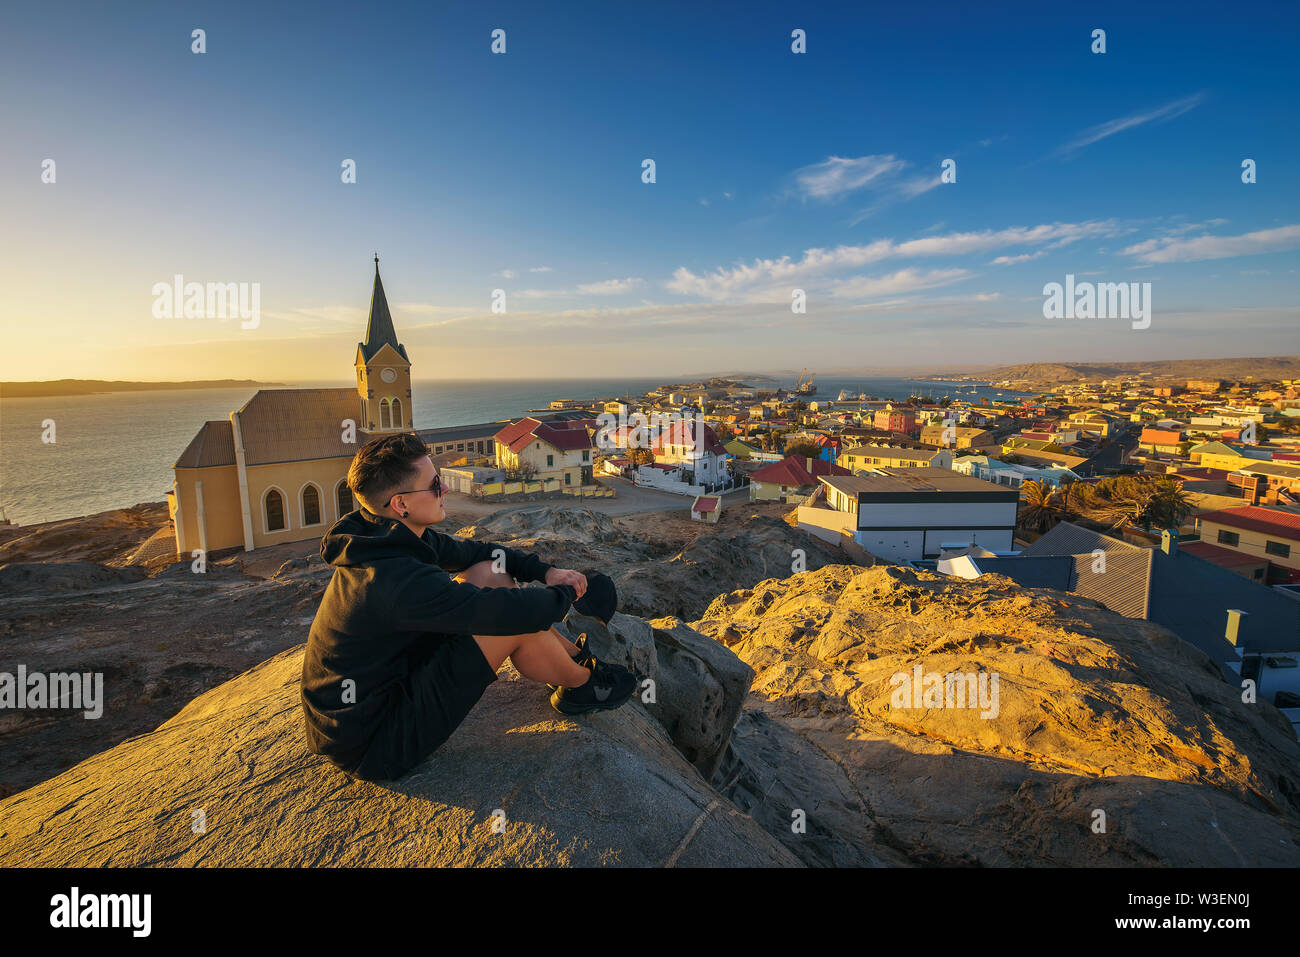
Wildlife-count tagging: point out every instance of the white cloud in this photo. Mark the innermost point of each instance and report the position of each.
(611, 287)
(765, 275)
(905, 280)
(1102, 130)
(540, 269)
(838, 175)
(1173, 250)
(1011, 260)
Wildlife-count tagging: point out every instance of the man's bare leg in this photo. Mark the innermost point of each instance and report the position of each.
(539, 656)
(545, 656)
(482, 576)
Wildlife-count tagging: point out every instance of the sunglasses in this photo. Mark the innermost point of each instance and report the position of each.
(435, 488)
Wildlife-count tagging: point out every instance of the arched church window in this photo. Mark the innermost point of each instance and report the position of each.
(385, 414)
(343, 498)
(398, 420)
(274, 511)
(310, 505)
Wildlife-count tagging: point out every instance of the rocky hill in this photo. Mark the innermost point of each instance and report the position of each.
(773, 732)
(1094, 712)
(103, 594)
(1046, 375)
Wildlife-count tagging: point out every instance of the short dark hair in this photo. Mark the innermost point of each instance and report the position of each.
(385, 466)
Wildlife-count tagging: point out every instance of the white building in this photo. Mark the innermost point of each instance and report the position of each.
(1012, 476)
(906, 514)
(695, 447)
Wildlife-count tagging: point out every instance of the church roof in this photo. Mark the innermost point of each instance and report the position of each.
(212, 445)
(379, 329)
(292, 425)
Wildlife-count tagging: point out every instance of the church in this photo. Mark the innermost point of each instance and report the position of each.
(276, 470)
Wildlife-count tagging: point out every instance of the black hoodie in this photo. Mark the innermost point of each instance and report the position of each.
(390, 600)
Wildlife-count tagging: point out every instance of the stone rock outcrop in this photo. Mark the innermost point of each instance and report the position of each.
(516, 785)
(698, 689)
(21, 577)
(572, 523)
(109, 537)
(1094, 713)
(720, 559)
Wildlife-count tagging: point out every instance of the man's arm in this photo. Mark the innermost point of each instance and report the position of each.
(431, 601)
(457, 554)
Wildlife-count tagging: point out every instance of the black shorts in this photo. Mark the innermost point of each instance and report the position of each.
(444, 684)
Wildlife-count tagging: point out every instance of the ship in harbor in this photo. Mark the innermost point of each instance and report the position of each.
(805, 388)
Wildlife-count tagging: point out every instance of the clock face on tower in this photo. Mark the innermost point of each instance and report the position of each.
(388, 375)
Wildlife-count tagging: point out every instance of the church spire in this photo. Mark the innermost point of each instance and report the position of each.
(379, 329)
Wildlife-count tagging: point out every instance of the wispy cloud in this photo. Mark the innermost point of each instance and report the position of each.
(881, 175)
(1173, 250)
(1102, 130)
(606, 287)
(611, 287)
(905, 280)
(838, 176)
(763, 276)
(1011, 260)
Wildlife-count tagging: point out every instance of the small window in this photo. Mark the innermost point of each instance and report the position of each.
(550, 461)
(567, 478)
(1228, 538)
(1280, 549)
(586, 455)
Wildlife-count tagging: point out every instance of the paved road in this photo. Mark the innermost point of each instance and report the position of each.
(1112, 456)
(628, 499)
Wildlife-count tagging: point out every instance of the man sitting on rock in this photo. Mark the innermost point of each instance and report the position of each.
(400, 651)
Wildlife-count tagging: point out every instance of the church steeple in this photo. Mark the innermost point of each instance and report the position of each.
(383, 370)
(379, 330)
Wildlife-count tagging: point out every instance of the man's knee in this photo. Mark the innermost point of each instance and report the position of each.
(482, 575)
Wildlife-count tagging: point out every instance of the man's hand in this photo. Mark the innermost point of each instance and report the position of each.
(567, 576)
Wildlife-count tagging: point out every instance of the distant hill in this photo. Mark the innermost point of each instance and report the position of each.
(1171, 370)
(21, 390)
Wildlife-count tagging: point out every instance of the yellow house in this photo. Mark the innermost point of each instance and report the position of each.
(877, 456)
(561, 453)
(276, 470)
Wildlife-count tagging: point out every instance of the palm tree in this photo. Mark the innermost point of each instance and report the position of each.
(1078, 498)
(1169, 505)
(1040, 507)
(1142, 500)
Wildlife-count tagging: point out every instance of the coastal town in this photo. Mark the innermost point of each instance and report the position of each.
(846, 437)
(1176, 502)
(1190, 490)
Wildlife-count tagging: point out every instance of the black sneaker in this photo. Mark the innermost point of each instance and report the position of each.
(584, 656)
(608, 687)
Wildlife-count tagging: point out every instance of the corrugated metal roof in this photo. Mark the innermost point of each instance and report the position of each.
(1125, 585)
(1256, 519)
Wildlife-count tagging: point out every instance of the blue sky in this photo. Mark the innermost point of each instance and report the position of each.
(522, 172)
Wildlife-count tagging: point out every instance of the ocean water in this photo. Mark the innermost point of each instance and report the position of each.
(117, 449)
